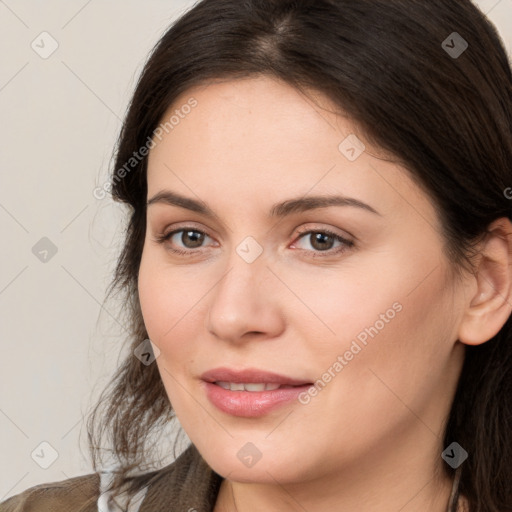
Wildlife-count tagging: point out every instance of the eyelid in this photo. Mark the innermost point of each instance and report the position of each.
(323, 229)
(186, 226)
(302, 231)
(347, 242)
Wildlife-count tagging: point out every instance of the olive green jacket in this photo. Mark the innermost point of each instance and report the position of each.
(186, 485)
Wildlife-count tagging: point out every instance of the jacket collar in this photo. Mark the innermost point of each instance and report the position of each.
(186, 484)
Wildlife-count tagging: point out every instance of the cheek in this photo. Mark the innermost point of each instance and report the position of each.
(170, 300)
(162, 294)
(401, 361)
(156, 305)
(351, 301)
(170, 307)
(395, 316)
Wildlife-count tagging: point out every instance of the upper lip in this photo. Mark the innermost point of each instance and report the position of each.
(250, 375)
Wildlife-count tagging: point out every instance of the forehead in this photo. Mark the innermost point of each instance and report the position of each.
(246, 115)
(253, 124)
(262, 138)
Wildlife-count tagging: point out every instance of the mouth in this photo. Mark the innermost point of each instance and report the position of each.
(251, 393)
(253, 387)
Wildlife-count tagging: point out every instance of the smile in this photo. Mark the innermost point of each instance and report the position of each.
(254, 386)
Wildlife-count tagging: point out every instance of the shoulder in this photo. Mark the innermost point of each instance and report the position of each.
(187, 483)
(78, 494)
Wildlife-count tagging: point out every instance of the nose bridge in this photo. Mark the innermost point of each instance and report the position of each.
(240, 302)
(246, 267)
(240, 285)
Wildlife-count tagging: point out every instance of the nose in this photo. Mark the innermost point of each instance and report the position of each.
(245, 303)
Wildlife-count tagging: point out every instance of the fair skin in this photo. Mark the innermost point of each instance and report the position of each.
(371, 439)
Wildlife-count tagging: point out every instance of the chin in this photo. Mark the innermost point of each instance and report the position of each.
(270, 467)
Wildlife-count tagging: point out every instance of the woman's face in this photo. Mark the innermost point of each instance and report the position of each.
(370, 317)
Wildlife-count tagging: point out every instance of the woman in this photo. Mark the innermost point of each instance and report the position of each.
(319, 251)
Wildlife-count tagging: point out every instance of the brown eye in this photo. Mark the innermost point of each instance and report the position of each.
(187, 238)
(192, 239)
(323, 241)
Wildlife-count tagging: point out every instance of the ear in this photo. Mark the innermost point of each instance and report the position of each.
(491, 302)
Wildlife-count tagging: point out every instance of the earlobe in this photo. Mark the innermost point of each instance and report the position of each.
(491, 305)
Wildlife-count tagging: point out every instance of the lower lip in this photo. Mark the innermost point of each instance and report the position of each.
(251, 404)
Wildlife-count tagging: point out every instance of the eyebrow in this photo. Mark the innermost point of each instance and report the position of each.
(282, 209)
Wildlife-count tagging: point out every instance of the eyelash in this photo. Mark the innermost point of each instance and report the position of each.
(161, 239)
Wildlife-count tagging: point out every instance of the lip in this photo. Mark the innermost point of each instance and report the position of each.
(250, 404)
(250, 375)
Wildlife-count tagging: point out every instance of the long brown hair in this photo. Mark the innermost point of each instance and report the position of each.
(441, 106)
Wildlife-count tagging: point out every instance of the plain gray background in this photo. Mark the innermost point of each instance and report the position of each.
(61, 114)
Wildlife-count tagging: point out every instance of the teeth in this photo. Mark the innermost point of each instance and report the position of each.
(260, 387)
(242, 386)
